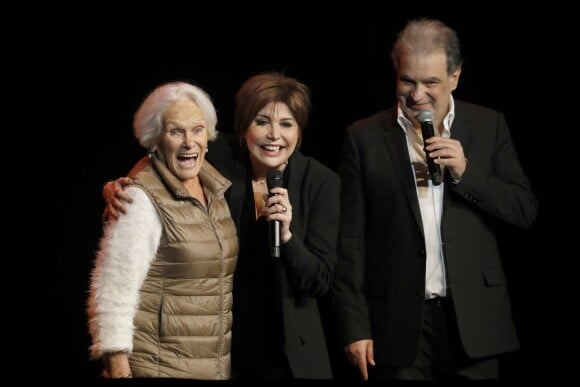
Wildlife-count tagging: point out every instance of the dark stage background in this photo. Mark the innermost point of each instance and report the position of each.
(79, 75)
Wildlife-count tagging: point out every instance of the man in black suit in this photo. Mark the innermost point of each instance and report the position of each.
(420, 292)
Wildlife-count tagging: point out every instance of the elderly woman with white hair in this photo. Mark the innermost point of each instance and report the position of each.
(161, 289)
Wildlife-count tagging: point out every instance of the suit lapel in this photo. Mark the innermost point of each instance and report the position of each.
(397, 145)
(294, 175)
(460, 130)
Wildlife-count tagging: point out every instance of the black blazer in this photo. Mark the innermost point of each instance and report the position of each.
(380, 276)
(307, 262)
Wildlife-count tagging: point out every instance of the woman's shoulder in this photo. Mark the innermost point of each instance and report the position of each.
(314, 168)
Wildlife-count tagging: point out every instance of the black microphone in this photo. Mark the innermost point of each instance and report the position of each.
(274, 180)
(425, 117)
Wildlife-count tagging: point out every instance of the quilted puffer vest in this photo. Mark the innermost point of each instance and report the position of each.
(183, 324)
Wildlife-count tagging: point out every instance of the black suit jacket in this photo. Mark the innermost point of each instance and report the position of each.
(380, 277)
(306, 267)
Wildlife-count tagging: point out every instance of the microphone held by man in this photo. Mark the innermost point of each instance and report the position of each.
(425, 118)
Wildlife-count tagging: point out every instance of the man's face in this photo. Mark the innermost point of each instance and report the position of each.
(423, 84)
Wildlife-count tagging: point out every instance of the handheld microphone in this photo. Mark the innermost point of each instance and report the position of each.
(425, 117)
(274, 180)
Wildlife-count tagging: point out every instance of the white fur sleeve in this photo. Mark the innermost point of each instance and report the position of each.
(126, 250)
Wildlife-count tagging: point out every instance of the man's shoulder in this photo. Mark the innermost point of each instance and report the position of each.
(470, 108)
(378, 119)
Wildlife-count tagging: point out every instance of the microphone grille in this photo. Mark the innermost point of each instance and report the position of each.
(274, 179)
(425, 116)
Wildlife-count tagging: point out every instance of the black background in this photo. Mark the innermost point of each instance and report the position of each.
(79, 75)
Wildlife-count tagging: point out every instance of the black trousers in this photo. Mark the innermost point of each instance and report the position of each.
(441, 355)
